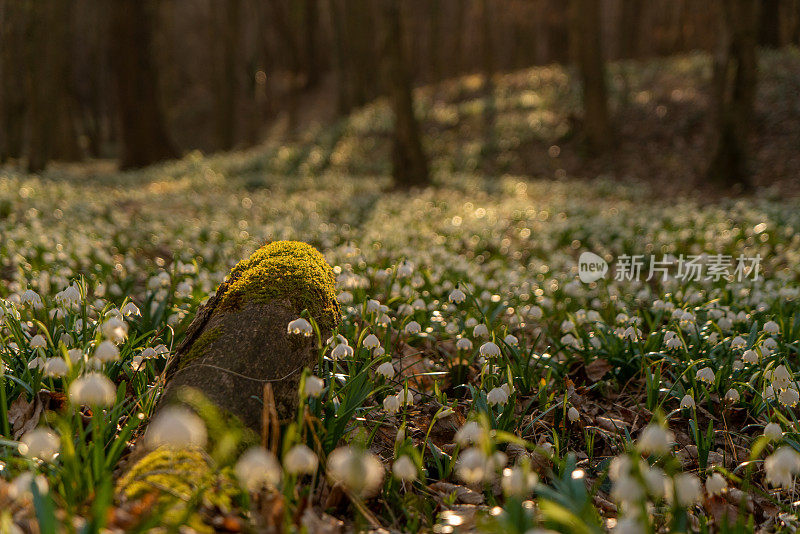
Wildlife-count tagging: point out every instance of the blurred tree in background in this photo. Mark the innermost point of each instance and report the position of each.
(409, 165)
(144, 138)
(144, 81)
(734, 90)
(589, 54)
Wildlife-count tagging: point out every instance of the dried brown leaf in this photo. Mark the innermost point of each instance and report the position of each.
(24, 415)
(597, 369)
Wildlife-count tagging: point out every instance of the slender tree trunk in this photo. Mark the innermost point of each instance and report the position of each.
(41, 68)
(734, 90)
(769, 28)
(92, 105)
(13, 107)
(558, 39)
(487, 61)
(283, 27)
(343, 97)
(282, 24)
(629, 26)
(142, 130)
(434, 43)
(629, 42)
(457, 54)
(64, 124)
(362, 58)
(266, 90)
(522, 47)
(226, 21)
(796, 29)
(587, 28)
(310, 34)
(409, 166)
(51, 126)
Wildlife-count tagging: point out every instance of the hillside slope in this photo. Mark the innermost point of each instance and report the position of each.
(660, 110)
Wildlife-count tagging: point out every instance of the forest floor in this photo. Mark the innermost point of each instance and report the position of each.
(515, 397)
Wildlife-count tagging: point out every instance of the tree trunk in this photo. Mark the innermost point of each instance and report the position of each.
(409, 166)
(40, 67)
(434, 42)
(487, 61)
(92, 98)
(586, 32)
(769, 27)
(266, 97)
(311, 32)
(282, 24)
(734, 89)
(142, 130)
(65, 143)
(796, 27)
(343, 98)
(226, 21)
(51, 126)
(283, 28)
(362, 60)
(238, 341)
(557, 14)
(13, 106)
(457, 54)
(629, 26)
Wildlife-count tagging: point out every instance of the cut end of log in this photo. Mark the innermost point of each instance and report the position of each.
(285, 270)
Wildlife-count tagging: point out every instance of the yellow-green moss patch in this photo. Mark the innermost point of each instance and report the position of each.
(179, 477)
(289, 270)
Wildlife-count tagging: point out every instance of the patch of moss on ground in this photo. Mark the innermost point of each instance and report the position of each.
(200, 345)
(290, 270)
(183, 481)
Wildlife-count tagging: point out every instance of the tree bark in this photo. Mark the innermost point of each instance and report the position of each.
(282, 23)
(266, 96)
(238, 341)
(457, 54)
(795, 36)
(734, 89)
(66, 145)
(13, 106)
(434, 42)
(489, 112)
(769, 27)
(343, 98)
(587, 28)
(142, 129)
(40, 67)
(92, 69)
(629, 26)
(51, 126)
(558, 49)
(409, 165)
(362, 61)
(310, 34)
(226, 21)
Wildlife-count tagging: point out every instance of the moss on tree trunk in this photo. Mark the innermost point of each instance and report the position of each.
(239, 341)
